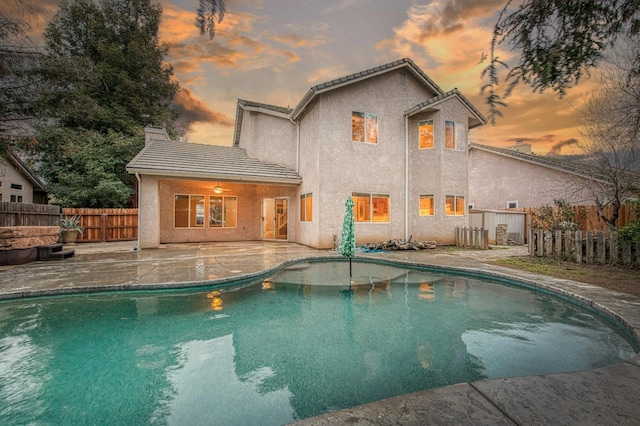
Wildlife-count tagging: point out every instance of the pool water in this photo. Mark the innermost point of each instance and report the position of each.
(290, 347)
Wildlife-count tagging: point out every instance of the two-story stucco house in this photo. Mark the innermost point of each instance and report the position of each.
(389, 137)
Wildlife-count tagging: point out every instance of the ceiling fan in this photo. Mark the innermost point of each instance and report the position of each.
(218, 189)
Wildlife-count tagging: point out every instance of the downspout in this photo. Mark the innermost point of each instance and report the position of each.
(139, 200)
(406, 177)
(297, 144)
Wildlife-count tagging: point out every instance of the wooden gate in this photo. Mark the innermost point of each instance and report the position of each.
(103, 225)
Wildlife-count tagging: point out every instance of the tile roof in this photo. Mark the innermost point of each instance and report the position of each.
(444, 96)
(362, 75)
(189, 160)
(556, 163)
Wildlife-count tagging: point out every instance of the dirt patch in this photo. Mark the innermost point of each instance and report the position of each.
(613, 277)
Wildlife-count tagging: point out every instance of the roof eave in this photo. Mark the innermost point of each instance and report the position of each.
(214, 176)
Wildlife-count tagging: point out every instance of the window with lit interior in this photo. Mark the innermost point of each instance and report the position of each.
(306, 208)
(189, 211)
(425, 131)
(454, 205)
(370, 207)
(426, 205)
(364, 127)
(223, 211)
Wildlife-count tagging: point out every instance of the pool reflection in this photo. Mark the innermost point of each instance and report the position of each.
(281, 349)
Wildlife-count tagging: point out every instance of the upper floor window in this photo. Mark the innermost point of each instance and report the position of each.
(364, 127)
(512, 204)
(454, 135)
(16, 186)
(223, 211)
(371, 207)
(454, 205)
(189, 211)
(426, 205)
(425, 130)
(306, 208)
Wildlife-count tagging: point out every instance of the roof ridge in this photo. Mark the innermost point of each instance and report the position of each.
(578, 167)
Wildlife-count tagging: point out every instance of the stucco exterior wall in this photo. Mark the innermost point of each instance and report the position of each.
(269, 138)
(495, 179)
(344, 167)
(249, 205)
(148, 213)
(10, 176)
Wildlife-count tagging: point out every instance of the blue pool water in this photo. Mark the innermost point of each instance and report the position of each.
(289, 347)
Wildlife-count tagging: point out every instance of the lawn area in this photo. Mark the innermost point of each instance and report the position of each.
(614, 277)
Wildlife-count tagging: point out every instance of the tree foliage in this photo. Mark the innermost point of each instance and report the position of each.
(560, 216)
(557, 43)
(611, 130)
(19, 83)
(107, 79)
(210, 13)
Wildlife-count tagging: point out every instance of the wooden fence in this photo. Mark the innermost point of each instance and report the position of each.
(584, 247)
(103, 225)
(22, 214)
(591, 221)
(472, 238)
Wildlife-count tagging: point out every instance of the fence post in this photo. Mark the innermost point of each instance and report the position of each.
(590, 247)
(578, 243)
(485, 238)
(626, 253)
(557, 244)
(613, 247)
(540, 243)
(568, 245)
(531, 242)
(104, 225)
(548, 243)
(457, 236)
(601, 248)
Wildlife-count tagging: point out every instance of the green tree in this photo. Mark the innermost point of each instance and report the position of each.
(557, 42)
(107, 80)
(19, 83)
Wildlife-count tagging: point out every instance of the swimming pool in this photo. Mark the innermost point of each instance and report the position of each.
(289, 347)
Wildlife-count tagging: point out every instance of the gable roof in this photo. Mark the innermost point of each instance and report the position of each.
(244, 105)
(406, 63)
(554, 163)
(26, 171)
(212, 162)
(455, 93)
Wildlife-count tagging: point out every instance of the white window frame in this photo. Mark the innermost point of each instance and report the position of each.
(512, 202)
(371, 196)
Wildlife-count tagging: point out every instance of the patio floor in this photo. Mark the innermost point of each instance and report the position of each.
(607, 395)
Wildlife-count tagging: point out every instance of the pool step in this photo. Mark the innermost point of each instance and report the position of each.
(54, 252)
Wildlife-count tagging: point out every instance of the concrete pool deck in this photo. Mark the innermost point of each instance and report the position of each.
(609, 395)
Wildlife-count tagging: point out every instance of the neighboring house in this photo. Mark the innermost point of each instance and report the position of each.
(18, 183)
(388, 136)
(502, 178)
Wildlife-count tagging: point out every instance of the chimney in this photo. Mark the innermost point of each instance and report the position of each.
(155, 133)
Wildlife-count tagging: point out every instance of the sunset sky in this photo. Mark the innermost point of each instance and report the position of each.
(273, 51)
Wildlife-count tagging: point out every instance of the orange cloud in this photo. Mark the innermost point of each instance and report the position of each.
(195, 110)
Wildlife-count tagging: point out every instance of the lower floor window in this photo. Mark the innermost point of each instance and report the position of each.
(15, 199)
(306, 208)
(223, 212)
(454, 205)
(189, 211)
(426, 205)
(371, 207)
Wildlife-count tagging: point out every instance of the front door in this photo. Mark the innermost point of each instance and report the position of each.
(274, 219)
